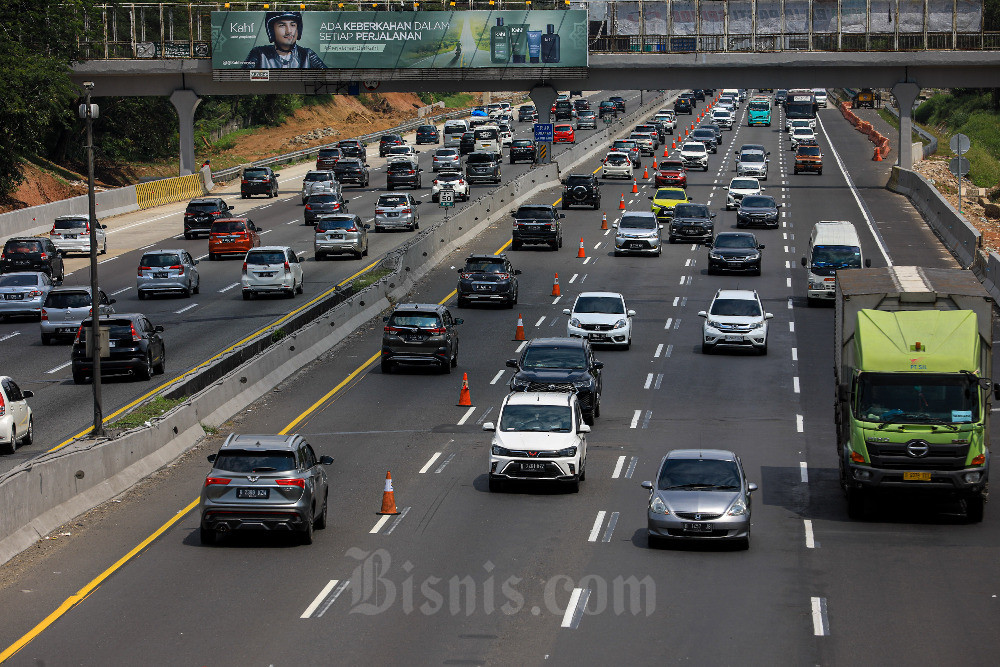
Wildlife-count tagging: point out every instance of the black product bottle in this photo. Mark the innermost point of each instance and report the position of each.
(499, 43)
(550, 45)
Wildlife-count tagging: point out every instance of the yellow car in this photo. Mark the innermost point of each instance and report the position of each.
(665, 199)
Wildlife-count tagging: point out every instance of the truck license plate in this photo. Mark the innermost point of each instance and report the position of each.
(916, 477)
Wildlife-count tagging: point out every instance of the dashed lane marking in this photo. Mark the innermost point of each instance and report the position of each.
(318, 600)
(228, 287)
(185, 309)
(803, 472)
(57, 368)
(810, 539)
(378, 524)
(465, 417)
(496, 378)
(429, 463)
(399, 518)
(618, 467)
(659, 349)
(122, 290)
(821, 623)
(540, 320)
(635, 419)
(596, 530)
(443, 464)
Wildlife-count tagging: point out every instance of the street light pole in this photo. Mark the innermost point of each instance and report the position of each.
(88, 112)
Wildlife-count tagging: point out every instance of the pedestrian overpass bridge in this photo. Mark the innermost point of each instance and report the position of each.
(902, 45)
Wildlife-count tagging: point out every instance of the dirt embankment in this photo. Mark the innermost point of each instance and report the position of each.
(935, 169)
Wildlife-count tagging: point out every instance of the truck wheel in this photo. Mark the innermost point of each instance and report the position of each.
(974, 506)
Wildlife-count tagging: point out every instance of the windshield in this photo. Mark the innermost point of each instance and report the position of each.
(324, 199)
(694, 148)
(348, 164)
(607, 305)
(15, 280)
(318, 176)
(240, 461)
(812, 151)
(455, 129)
(265, 257)
(573, 358)
(68, 300)
(751, 157)
(392, 200)
(479, 158)
(158, 260)
(637, 222)
(691, 211)
(415, 320)
(619, 158)
(671, 165)
(400, 150)
(22, 247)
(799, 110)
(759, 106)
(704, 134)
(445, 152)
(744, 184)
(914, 398)
(71, 223)
(836, 256)
(426, 128)
(734, 241)
(698, 473)
(228, 227)
(195, 207)
(449, 176)
(254, 173)
(534, 212)
(735, 308)
(556, 418)
(484, 266)
(329, 152)
(326, 224)
(670, 194)
(487, 134)
(758, 202)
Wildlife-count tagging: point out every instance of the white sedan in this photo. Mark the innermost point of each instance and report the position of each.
(740, 187)
(450, 180)
(601, 317)
(401, 153)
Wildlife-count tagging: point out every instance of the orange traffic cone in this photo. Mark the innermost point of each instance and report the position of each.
(604, 221)
(655, 167)
(555, 286)
(673, 145)
(878, 155)
(621, 204)
(645, 172)
(464, 398)
(388, 497)
(635, 186)
(519, 331)
(582, 253)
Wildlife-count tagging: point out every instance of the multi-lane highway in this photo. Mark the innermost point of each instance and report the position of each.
(536, 575)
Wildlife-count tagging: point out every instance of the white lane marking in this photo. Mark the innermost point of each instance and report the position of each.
(659, 349)
(670, 321)
(10, 335)
(687, 262)
(784, 236)
(202, 257)
(146, 247)
(333, 597)
(803, 472)
(398, 519)
(496, 378)
(795, 354)
(786, 248)
(595, 531)
(821, 624)
(319, 598)
(521, 346)
(791, 326)
(124, 289)
(109, 259)
(586, 260)
(185, 309)
(789, 303)
(427, 465)
(556, 300)
(58, 368)
(683, 278)
(669, 351)
(810, 540)
(228, 287)
(795, 384)
(266, 231)
(465, 417)
(631, 467)
(788, 282)
(378, 524)
(573, 278)
(540, 320)
(798, 423)
(618, 467)
(612, 522)
(291, 222)
(649, 415)
(676, 300)
(444, 463)
(599, 244)
(649, 381)
(635, 419)
(572, 620)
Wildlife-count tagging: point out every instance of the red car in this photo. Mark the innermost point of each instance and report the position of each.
(671, 172)
(563, 134)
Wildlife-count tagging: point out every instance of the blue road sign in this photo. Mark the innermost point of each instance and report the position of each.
(543, 132)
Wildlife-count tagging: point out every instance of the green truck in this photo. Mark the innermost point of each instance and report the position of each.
(759, 112)
(913, 370)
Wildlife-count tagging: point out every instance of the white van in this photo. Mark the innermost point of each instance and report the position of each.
(833, 246)
(488, 138)
(820, 95)
(453, 131)
(732, 92)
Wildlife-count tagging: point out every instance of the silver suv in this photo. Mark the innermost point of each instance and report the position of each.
(65, 308)
(396, 211)
(340, 234)
(166, 272)
(264, 482)
(71, 233)
(319, 182)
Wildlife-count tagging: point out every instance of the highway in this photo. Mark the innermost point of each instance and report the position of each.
(537, 575)
(210, 322)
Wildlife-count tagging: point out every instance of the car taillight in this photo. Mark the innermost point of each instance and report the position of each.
(465, 276)
(45, 316)
(79, 334)
(435, 181)
(45, 255)
(135, 334)
(379, 210)
(301, 483)
(410, 172)
(407, 210)
(53, 231)
(391, 330)
(35, 292)
(308, 207)
(3, 406)
(141, 269)
(244, 268)
(336, 206)
(222, 481)
(216, 212)
(461, 181)
(179, 267)
(436, 330)
(288, 268)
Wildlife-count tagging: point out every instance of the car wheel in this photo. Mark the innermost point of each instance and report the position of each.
(574, 486)
(207, 536)
(187, 236)
(762, 350)
(104, 248)
(583, 470)
(496, 485)
(974, 508)
(79, 378)
(187, 293)
(389, 188)
(212, 257)
(247, 295)
(146, 372)
(197, 287)
(46, 339)
(320, 522)
(454, 359)
(306, 536)
(819, 172)
(856, 503)
(160, 367)
(386, 367)
(301, 288)
(707, 349)
(597, 204)
(11, 446)
(29, 436)
(515, 245)
(655, 542)
(743, 543)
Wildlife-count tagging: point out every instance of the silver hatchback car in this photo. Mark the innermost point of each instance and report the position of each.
(23, 293)
(396, 211)
(71, 233)
(446, 158)
(267, 483)
(66, 308)
(167, 272)
(340, 234)
(699, 494)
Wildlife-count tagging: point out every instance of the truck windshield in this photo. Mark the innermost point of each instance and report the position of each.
(800, 110)
(836, 257)
(911, 398)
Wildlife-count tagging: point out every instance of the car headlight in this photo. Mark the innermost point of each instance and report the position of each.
(657, 208)
(582, 384)
(658, 506)
(500, 451)
(715, 255)
(620, 324)
(714, 324)
(757, 325)
(739, 508)
(568, 451)
(574, 322)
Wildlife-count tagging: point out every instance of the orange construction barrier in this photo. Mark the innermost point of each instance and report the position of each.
(519, 331)
(673, 145)
(555, 286)
(388, 497)
(464, 399)
(582, 253)
(655, 167)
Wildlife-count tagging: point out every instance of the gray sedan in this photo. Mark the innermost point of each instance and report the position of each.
(23, 293)
(167, 271)
(699, 495)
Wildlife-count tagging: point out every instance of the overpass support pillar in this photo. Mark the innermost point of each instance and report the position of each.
(185, 102)
(543, 96)
(905, 93)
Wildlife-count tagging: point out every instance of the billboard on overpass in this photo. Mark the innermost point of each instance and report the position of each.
(394, 40)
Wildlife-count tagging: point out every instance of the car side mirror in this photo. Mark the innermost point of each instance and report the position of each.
(459, 320)
(111, 301)
(650, 196)
(258, 229)
(760, 247)
(868, 264)
(326, 460)
(751, 487)
(489, 426)
(598, 365)
(347, 201)
(367, 226)
(566, 311)
(584, 428)
(768, 316)
(702, 313)
(778, 206)
(803, 261)
(418, 203)
(104, 226)
(647, 485)
(517, 272)
(725, 187)
(511, 363)
(630, 313)
(27, 393)
(211, 458)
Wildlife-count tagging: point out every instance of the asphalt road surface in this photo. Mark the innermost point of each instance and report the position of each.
(538, 575)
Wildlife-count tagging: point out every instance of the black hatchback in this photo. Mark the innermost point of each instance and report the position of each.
(561, 364)
(135, 348)
(735, 251)
(32, 253)
(324, 204)
(487, 278)
(428, 134)
(523, 150)
(201, 213)
(403, 173)
(351, 170)
(259, 181)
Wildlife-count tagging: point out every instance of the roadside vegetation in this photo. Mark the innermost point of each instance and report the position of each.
(146, 411)
(974, 113)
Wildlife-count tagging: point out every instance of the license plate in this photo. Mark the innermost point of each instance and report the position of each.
(736, 264)
(69, 236)
(336, 237)
(698, 527)
(266, 274)
(14, 297)
(483, 287)
(228, 239)
(413, 338)
(160, 274)
(598, 336)
(532, 467)
(393, 215)
(916, 477)
(733, 338)
(112, 343)
(249, 492)
(66, 330)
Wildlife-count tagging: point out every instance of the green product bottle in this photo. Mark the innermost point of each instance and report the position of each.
(499, 42)
(519, 43)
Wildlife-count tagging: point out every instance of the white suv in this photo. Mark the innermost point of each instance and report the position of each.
(694, 154)
(723, 118)
(740, 187)
(272, 269)
(538, 436)
(735, 318)
(601, 317)
(71, 233)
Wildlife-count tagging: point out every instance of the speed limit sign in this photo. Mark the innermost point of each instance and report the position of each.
(446, 197)
(370, 85)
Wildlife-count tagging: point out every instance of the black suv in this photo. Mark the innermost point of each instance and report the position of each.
(692, 222)
(607, 108)
(706, 135)
(351, 170)
(523, 150)
(560, 364)
(135, 348)
(420, 334)
(581, 189)
(619, 103)
(428, 134)
(32, 253)
(387, 141)
(201, 213)
(324, 204)
(259, 181)
(564, 110)
(482, 166)
(467, 143)
(402, 173)
(699, 95)
(526, 113)
(734, 251)
(487, 278)
(353, 148)
(581, 105)
(327, 158)
(683, 105)
(537, 223)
